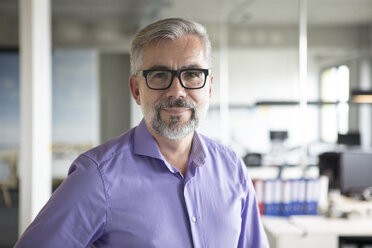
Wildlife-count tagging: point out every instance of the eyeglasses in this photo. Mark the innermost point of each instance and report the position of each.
(191, 79)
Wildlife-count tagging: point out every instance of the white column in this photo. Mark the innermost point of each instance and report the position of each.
(35, 141)
(365, 117)
(303, 79)
(224, 75)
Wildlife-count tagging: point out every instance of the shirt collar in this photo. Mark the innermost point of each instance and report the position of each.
(198, 150)
(145, 144)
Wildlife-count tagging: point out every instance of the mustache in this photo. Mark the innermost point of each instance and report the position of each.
(171, 102)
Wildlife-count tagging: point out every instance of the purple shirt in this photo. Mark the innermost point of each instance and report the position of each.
(125, 194)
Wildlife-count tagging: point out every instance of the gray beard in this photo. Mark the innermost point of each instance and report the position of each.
(173, 130)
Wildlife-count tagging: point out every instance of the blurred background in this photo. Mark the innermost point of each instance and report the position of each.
(259, 106)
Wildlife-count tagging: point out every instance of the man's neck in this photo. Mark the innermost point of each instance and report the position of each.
(176, 152)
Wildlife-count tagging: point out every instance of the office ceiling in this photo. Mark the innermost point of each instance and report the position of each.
(113, 21)
(259, 12)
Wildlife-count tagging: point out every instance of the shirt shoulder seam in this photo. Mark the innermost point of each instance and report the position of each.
(105, 152)
(104, 188)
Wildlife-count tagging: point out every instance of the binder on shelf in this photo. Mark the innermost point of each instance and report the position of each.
(312, 196)
(295, 189)
(277, 196)
(268, 197)
(302, 196)
(286, 204)
(259, 187)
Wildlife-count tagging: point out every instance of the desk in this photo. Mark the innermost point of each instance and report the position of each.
(313, 231)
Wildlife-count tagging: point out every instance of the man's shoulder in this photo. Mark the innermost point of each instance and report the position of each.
(111, 148)
(225, 160)
(213, 146)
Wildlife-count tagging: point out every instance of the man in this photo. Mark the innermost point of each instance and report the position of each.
(161, 184)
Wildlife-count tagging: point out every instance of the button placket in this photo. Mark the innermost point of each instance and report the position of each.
(191, 208)
(193, 213)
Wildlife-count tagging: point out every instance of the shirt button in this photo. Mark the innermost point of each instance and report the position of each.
(193, 219)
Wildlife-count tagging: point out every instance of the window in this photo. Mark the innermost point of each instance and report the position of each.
(9, 100)
(74, 104)
(334, 89)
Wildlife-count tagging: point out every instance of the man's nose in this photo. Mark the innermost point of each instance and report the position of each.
(176, 90)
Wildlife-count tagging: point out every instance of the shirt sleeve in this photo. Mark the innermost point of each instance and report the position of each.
(252, 232)
(75, 215)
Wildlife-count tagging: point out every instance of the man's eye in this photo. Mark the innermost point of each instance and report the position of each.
(159, 75)
(192, 74)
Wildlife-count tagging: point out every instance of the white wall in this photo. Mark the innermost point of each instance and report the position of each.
(269, 71)
(263, 74)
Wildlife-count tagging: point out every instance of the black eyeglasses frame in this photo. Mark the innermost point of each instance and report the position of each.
(174, 73)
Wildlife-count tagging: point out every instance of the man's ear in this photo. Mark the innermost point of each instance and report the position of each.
(210, 86)
(134, 89)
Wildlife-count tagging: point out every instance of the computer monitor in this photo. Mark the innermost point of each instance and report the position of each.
(278, 135)
(329, 165)
(355, 172)
(349, 139)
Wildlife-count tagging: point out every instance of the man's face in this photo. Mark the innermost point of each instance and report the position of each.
(174, 112)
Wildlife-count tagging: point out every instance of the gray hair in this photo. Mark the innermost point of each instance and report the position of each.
(171, 29)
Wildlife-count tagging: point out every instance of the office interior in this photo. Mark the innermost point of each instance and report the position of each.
(291, 95)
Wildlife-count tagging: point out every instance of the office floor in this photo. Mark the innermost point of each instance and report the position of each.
(9, 221)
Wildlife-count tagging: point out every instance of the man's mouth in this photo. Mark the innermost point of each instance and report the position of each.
(176, 110)
(175, 106)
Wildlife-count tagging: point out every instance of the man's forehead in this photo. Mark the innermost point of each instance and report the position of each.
(185, 49)
(165, 67)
